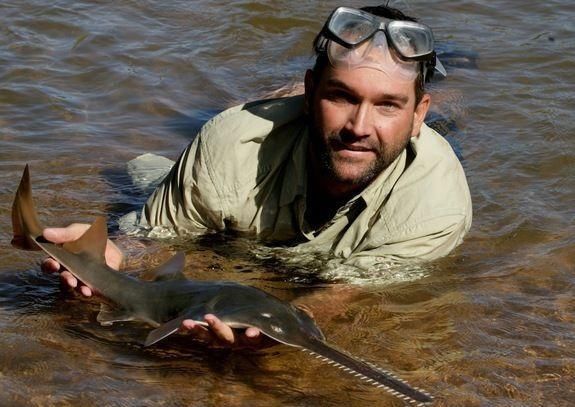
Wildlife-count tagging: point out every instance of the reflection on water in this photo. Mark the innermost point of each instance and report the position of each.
(87, 86)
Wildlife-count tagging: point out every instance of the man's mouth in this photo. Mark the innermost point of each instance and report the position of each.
(337, 145)
(355, 148)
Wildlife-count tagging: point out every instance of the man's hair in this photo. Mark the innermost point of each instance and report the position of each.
(381, 11)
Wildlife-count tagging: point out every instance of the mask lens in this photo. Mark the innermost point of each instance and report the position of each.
(352, 28)
(348, 57)
(411, 40)
(373, 54)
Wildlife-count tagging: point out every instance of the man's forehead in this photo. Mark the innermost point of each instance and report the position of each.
(368, 82)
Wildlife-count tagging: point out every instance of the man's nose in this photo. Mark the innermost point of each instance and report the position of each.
(359, 121)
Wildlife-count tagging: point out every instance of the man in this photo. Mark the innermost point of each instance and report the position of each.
(349, 168)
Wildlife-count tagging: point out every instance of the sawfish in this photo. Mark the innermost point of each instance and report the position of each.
(170, 298)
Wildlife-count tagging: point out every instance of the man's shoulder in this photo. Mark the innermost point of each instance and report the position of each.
(252, 121)
(434, 159)
(432, 186)
(238, 147)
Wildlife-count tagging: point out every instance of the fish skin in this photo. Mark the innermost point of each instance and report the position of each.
(165, 302)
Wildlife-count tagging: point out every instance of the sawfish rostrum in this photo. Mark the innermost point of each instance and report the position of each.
(170, 298)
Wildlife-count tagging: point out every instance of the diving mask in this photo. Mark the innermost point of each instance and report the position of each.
(354, 38)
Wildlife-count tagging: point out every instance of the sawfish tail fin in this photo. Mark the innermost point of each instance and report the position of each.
(368, 372)
(28, 229)
(25, 223)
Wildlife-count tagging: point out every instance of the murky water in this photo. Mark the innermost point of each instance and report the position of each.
(87, 85)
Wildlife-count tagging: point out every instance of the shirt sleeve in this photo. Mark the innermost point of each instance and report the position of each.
(423, 241)
(177, 202)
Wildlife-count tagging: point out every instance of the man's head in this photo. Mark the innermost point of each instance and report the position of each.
(363, 114)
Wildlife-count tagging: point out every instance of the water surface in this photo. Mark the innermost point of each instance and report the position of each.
(87, 85)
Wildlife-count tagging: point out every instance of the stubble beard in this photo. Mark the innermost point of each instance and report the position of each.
(332, 167)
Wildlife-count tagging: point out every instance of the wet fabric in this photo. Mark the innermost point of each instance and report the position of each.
(247, 171)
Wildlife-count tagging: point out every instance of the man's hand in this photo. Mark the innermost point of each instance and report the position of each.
(219, 335)
(68, 234)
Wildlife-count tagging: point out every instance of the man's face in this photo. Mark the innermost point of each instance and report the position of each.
(361, 120)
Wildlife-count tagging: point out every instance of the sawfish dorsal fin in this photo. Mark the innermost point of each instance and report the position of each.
(92, 242)
(25, 223)
(173, 269)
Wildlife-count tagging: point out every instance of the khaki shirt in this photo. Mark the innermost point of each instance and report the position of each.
(247, 171)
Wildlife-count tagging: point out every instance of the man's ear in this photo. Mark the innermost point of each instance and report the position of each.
(309, 90)
(419, 114)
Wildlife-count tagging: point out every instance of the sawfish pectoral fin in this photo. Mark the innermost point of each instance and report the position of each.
(163, 331)
(167, 329)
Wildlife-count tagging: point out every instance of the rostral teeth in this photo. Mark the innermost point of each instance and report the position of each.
(375, 382)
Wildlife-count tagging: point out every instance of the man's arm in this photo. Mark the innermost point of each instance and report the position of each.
(173, 204)
(423, 241)
(186, 200)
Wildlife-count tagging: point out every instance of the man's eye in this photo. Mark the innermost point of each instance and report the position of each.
(338, 96)
(388, 106)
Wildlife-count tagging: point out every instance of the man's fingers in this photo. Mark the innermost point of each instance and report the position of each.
(49, 265)
(222, 331)
(218, 334)
(191, 325)
(199, 332)
(253, 333)
(253, 337)
(72, 282)
(69, 279)
(215, 334)
(86, 291)
(67, 234)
